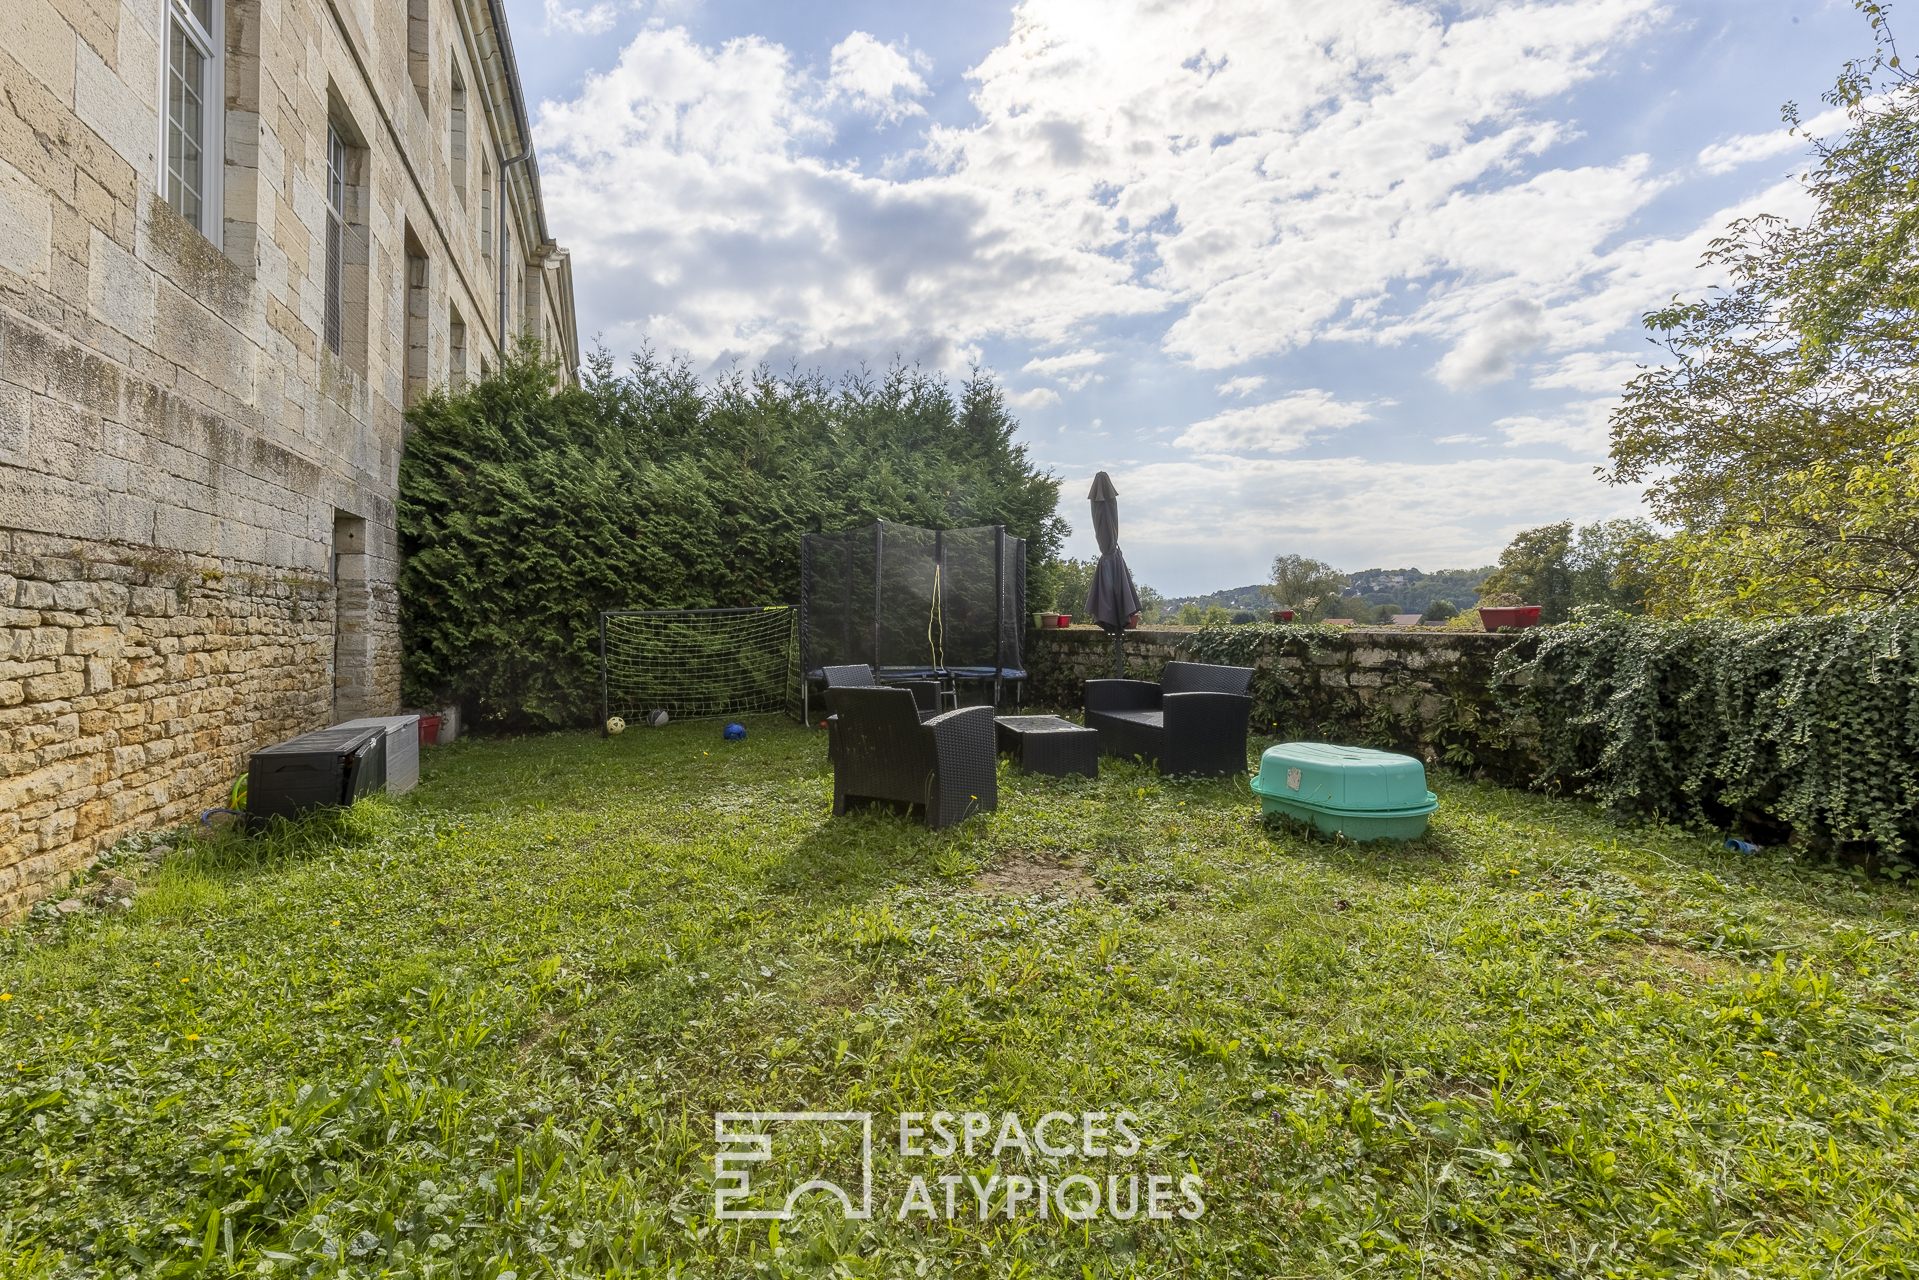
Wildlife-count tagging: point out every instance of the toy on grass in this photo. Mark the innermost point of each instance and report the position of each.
(655, 719)
(734, 732)
(615, 725)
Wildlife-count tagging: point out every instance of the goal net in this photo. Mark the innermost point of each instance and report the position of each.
(692, 663)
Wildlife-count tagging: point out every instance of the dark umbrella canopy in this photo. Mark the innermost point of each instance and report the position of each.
(1113, 599)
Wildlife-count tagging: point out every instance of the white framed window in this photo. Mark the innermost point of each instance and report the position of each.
(335, 236)
(191, 170)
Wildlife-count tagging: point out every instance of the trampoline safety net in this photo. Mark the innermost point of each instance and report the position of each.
(907, 601)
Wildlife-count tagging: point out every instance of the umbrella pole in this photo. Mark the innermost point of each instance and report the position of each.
(1119, 655)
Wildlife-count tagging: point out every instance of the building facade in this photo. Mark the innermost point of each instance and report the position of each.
(237, 239)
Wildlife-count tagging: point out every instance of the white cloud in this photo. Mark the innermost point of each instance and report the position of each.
(1073, 370)
(1488, 351)
(746, 246)
(1462, 438)
(1279, 426)
(1241, 387)
(1036, 398)
(875, 79)
(589, 21)
(1724, 157)
(1582, 428)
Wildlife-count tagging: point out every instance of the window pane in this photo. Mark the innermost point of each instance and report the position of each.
(203, 10)
(336, 172)
(335, 278)
(186, 123)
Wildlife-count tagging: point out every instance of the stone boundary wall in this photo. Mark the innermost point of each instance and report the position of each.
(134, 683)
(1426, 692)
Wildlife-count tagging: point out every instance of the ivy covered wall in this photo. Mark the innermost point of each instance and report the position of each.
(1799, 730)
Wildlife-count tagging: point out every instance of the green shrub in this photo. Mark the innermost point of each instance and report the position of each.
(1805, 725)
(523, 512)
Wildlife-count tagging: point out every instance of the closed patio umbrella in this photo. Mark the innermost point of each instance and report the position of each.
(1113, 600)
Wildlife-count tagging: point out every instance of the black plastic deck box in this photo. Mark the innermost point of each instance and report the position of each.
(325, 767)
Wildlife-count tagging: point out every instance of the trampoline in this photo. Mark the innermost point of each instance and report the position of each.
(914, 604)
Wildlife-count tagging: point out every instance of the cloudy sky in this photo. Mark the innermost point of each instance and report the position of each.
(1358, 280)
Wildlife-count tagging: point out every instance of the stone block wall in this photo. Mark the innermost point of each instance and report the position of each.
(134, 683)
(1426, 692)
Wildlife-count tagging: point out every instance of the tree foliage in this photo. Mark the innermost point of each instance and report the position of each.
(1311, 588)
(1791, 391)
(524, 512)
(1070, 581)
(1559, 567)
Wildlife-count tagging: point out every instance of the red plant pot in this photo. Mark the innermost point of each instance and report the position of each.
(1132, 623)
(429, 730)
(1525, 615)
(1065, 619)
(1282, 615)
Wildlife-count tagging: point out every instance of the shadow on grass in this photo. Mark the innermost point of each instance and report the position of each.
(871, 850)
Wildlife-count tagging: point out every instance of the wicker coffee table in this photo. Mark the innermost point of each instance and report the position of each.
(1048, 744)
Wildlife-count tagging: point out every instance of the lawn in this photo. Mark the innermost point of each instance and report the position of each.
(484, 1029)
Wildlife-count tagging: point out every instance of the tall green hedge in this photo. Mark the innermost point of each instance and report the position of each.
(1803, 726)
(524, 512)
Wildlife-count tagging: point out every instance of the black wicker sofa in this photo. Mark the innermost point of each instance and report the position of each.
(1192, 722)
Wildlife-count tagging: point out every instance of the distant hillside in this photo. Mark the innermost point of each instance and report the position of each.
(1253, 597)
(1410, 589)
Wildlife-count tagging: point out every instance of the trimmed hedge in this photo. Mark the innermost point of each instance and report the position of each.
(1804, 727)
(524, 512)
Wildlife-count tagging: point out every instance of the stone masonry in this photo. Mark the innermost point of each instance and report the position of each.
(202, 387)
(133, 688)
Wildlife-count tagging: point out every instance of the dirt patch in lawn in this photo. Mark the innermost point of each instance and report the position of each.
(1022, 877)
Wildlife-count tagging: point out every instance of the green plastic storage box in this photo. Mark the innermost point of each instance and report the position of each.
(1365, 794)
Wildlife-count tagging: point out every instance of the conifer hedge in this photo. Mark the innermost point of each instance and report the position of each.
(524, 512)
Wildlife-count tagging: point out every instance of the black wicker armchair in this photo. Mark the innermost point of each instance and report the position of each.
(1193, 721)
(882, 752)
(926, 693)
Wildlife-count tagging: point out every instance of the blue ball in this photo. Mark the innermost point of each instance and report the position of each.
(734, 732)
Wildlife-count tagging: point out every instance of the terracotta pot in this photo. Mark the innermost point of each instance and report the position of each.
(1525, 615)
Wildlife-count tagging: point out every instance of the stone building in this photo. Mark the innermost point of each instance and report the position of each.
(237, 239)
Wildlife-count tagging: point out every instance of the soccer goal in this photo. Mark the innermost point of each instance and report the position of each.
(693, 663)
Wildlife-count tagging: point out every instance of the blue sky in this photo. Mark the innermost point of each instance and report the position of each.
(1358, 281)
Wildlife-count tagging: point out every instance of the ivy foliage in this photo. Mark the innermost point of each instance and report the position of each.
(524, 511)
(1804, 727)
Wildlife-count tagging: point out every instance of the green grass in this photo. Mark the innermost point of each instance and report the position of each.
(486, 1027)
